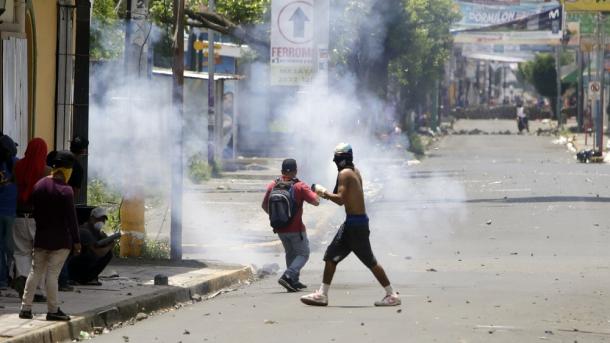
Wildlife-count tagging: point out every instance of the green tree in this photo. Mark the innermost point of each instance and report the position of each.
(401, 44)
(238, 12)
(424, 44)
(235, 18)
(542, 74)
(365, 38)
(524, 73)
(106, 34)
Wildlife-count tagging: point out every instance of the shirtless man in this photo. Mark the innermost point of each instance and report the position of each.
(353, 235)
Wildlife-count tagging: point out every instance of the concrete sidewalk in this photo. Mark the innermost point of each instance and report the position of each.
(127, 289)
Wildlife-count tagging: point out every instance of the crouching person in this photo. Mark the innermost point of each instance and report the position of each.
(56, 234)
(97, 250)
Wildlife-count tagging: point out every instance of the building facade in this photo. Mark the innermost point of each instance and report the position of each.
(38, 56)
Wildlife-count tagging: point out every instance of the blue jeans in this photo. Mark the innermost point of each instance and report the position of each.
(6, 248)
(296, 246)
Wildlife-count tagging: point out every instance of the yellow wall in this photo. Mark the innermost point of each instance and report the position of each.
(45, 20)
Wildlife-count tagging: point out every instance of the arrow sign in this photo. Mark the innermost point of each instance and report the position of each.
(298, 20)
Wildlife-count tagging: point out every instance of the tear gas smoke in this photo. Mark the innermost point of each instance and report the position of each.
(132, 132)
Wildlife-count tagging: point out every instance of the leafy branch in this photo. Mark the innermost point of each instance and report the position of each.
(214, 21)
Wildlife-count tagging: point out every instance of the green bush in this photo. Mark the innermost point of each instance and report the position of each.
(99, 194)
(155, 250)
(416, 145)
(199, 170)
(151, 250)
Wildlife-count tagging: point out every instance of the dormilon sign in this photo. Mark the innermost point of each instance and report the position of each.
(292, 42)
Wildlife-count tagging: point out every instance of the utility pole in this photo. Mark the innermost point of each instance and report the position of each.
(126, 54)
(212, 117)
(177, 103)
(558, 84)
(579, 90)
(489, 74)
(599, 130)
(435, 122)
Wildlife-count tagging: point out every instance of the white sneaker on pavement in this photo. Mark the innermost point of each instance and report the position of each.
(315, 299)
(389, 300)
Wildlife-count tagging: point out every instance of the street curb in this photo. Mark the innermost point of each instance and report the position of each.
(125, 310)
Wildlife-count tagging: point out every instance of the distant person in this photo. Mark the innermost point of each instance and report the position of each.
(28, 171)
(353, 235)
(283, 202)
(522, 121)
(95, 256)
(56, 234)
(8, 206)
(79, 147)
(228, 113)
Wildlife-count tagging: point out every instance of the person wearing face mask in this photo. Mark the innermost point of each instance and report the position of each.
(56, 234)
(353, 235)
(85, 268)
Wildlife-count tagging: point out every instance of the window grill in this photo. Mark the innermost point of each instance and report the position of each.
(65, 76)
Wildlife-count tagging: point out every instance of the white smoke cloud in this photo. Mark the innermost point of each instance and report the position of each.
(133, 132)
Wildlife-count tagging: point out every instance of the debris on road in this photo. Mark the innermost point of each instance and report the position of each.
(488, 222)
(431, 270)
(267, 321)
(222, 291)
(560, 141)
(141, 316)
(267, 270)
(161, 280)
(84, 335)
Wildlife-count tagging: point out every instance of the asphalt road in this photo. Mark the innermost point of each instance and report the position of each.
(492, 238)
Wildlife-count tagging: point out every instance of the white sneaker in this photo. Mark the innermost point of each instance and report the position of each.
(315, 299)
(389, 300)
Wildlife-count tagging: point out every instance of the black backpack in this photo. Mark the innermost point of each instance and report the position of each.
(282, 204)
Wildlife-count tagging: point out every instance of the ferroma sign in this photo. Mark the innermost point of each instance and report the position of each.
(292, 42)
